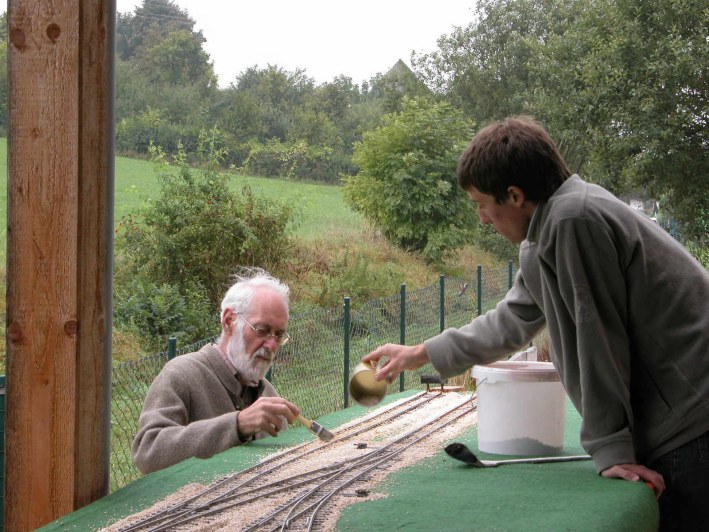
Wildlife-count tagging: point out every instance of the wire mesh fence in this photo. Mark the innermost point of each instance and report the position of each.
(326, 344)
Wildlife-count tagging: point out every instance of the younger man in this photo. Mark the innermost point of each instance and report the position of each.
(626, 306)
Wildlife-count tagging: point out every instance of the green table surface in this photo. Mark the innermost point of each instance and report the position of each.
(438, 493)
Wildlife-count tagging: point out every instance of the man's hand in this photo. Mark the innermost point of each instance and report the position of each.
(636, 472)
(399, 358)
(265, 415)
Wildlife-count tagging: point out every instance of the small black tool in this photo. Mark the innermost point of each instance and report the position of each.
(432, 379)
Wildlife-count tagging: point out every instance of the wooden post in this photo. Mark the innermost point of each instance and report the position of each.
(60, 224)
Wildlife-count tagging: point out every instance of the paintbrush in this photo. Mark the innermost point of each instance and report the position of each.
(317, 429)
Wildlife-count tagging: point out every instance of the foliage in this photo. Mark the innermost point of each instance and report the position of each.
(629, 80)
(157, 312)
(282, 125)
(276, 93)
(138, 132)
(406, 186)
(160, 44)
(622, 86)
(359, 278)
(485, 68)
(151, 22)
(700, 252)
(333, 250)
(201, 231)
(297, 159)
(488, 239)
(276, 158)
(276, 122)
(178, 59)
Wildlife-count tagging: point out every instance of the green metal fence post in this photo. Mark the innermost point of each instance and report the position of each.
(442, 301)
(171, 347)
(402, 327)
(509, 275)
(480, 290)
(346, 338)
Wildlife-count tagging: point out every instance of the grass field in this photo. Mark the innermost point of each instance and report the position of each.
(321, 207)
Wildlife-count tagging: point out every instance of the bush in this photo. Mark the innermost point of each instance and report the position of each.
(198, 231)
(407, 187)
(488, 239)
(157, 312)
(296, 160)
(358, 278)
(137, 133)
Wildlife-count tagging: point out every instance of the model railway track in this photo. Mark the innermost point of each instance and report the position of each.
(282, 498)
(225, 486)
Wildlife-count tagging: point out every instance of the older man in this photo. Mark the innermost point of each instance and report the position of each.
(206, 402)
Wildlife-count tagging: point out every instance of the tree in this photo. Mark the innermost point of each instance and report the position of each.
(152, 22)
(407, 187)
(627, 82)
(335, 98)
(279, 127)
(486, 67)
(162, 70)
(178, 59)
(276, 92)
(622, 87)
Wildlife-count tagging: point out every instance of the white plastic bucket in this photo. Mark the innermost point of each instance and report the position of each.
(521, 408)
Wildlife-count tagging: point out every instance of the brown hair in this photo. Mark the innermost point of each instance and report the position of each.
(515, 152)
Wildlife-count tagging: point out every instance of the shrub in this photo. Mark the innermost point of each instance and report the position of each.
(407, 187)
(296, 160)
(197, 232)
(488, 239)
(359, 278)
(137, 133)
(157, 312)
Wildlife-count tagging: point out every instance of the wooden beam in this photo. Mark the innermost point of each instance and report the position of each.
(59, 257)
(95, 260)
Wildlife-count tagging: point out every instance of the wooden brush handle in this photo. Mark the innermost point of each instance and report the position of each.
(304, 421)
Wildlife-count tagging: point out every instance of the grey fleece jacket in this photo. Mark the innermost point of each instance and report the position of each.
(627, 310)
(191, 411)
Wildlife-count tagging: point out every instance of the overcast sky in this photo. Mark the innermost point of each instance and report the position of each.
(327, 38)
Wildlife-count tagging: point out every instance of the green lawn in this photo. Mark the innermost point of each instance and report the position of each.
(322, 209)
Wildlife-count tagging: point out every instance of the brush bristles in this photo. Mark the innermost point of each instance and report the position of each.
(321, 432)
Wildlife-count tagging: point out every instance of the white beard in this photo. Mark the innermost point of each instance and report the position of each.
(251, 368)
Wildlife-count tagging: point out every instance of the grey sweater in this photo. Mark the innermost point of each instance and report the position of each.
(190, 411)
(627, 310)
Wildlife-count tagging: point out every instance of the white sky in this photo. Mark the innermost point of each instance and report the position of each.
(327, 38)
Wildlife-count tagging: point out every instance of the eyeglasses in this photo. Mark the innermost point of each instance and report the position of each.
(281, 337)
